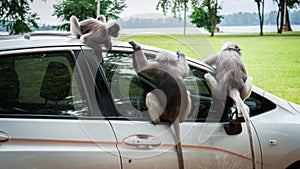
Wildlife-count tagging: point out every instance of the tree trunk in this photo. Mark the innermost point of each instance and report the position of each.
(210, 17)
(98, 8)
(277, 18)
(184, 19)
(282, 9)
(288, 26)
(261, 8)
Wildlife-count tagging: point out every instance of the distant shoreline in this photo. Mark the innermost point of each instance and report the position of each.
(194, 30)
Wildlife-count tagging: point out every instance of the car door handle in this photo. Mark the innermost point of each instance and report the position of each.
(142, 141)
(3, 137)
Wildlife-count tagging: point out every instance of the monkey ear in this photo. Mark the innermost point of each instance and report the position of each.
(113, 29)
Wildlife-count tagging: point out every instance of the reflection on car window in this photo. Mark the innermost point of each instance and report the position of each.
(129, 90)
(40, 84)
(126, 88)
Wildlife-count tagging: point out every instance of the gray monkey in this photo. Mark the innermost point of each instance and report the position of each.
(95, 32)
(170, 102)
(231, 80)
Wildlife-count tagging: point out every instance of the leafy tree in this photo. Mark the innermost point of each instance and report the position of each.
(283, 14)
(84, 9)
(176, 6)
(206, 15)
(16, 17)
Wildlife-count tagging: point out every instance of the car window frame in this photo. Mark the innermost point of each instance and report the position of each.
(73, 51)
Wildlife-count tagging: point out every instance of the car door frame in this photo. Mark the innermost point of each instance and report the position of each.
(61, 142)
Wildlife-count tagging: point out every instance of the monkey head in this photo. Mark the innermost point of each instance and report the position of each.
(178, 61)
(231, 46)
(101, 18)
(95, 32)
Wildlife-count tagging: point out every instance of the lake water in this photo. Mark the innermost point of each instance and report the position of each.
(194, 30)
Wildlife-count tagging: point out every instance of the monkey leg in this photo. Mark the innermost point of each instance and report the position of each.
(89, 40)
(156, 102)
(243, 109)
(217, 89)
(245, 93)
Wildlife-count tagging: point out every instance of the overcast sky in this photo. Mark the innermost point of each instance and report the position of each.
(45, 11)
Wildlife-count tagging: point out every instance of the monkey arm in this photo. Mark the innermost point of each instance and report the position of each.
(211, 60)
(139, 58)
(75, 27)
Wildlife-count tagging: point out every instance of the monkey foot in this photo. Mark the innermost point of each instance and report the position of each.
(135, 46)
(179, 54)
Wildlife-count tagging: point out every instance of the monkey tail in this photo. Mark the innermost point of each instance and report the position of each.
(178, 144)
(244, 109)
(75, 27)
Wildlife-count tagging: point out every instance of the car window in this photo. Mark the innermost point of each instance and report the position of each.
(128, 91)
(202, 100)
(258, 104)
(125, 85)
(40, 84)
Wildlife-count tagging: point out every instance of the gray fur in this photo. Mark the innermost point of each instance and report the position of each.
(95, 32)
(231, 80)
(169, 72)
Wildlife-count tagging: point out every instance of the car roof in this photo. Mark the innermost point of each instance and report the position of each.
(64, 39)
(34, 40)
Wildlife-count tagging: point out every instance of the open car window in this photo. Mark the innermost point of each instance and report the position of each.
(129, 90)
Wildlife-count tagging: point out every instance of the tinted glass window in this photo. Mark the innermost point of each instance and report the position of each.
(259, 104)
(125, 85)
(40, 84)
(129, 90)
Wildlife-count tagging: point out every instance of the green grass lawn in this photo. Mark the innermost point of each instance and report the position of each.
(272, 60)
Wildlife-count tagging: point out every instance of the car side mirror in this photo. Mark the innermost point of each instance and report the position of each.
(234, 126)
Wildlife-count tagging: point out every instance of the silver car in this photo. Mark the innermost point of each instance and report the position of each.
(61, 108)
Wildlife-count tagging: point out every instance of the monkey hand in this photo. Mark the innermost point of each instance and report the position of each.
(135, 46)
(179, 54)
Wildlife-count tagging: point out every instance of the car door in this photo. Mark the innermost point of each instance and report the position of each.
(144, 145)
(46, 117)
(205, 140)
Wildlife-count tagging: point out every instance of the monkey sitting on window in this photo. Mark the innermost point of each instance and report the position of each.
(95, 32)
(231, 80)
(170, 101)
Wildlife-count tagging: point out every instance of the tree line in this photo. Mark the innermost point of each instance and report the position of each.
(234, 19)
(136, 22)
(205, 13)
(17, 18)
(250, 19)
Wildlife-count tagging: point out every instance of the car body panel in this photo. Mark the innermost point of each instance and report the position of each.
(109, 140)
(217, 151)
(278, 131)
(58, 143)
